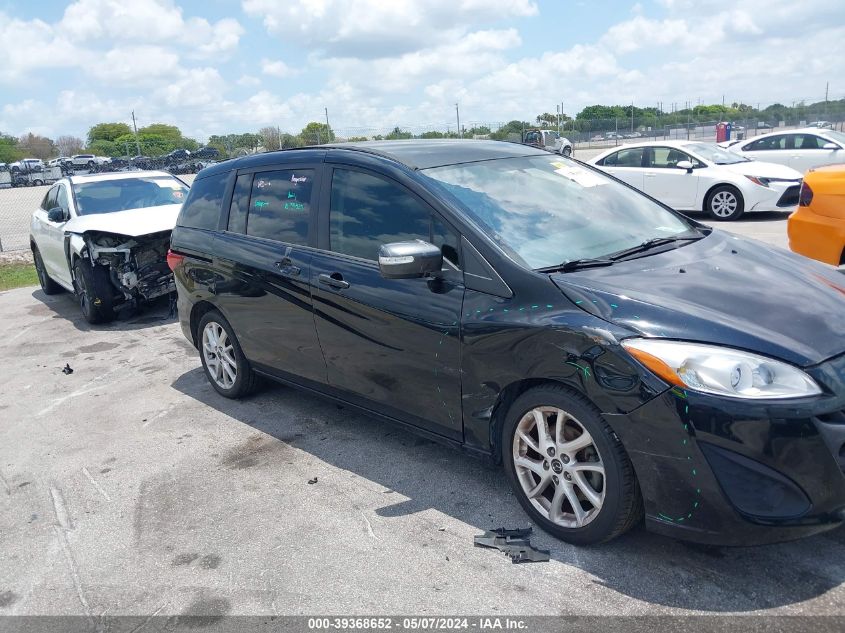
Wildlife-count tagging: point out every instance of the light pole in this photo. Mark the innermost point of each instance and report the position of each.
(458, 116)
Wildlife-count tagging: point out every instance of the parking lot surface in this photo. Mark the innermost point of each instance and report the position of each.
(131, 487)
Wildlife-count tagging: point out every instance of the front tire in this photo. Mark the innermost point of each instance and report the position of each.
(724, 203)
(568, 468)
(225, 365)
(567, 151)
(48, 286)
(94, 292)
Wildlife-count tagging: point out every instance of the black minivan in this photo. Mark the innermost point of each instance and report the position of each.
(617, 358)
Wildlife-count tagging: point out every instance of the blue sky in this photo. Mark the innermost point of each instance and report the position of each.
(221, 66)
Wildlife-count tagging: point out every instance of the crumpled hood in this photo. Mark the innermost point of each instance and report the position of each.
(724, 290)
(132, 222)
(762, 169)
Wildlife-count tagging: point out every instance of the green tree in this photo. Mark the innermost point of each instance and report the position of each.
(547, 119)
(102, 147)
(432, 134)
(289, 140)
(510, 130)
(9, 151)
(398, 134)
(170, 132)
(107, 131)
(315, 133)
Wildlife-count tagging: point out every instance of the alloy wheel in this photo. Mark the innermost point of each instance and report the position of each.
(559, 467)
(219, 354)
(724, 203)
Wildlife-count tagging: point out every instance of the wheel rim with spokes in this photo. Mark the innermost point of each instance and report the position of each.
(219, 354)
(559, 467)
(724, 203)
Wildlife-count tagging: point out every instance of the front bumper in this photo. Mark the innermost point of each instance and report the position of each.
(779, 196)
(729, 472)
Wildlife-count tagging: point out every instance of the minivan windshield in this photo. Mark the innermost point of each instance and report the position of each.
(544, 211)
(108, 196)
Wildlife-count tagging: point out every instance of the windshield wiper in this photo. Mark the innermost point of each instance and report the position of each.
(577, 264)
(648, 245)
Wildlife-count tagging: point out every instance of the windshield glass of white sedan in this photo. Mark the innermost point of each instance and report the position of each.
(107, 196)
(545, 211)
(714, 153)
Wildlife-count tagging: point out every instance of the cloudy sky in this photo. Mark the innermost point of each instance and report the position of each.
(216, 66)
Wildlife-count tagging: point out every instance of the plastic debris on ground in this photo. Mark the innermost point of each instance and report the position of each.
(514, 543)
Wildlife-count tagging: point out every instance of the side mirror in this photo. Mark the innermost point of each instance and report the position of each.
(409, 260)
(831, 146)
(56, 214)
(684, 164)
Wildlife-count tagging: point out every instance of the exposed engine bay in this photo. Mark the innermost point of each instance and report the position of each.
(137, 265)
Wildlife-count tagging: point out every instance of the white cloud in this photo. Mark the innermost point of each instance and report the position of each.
(29, 45)
(377, 28)
(134, 65)
(248, 80)
(195, 87)
(148, 21)
(277, 68)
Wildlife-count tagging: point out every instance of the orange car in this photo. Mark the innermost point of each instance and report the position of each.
(817, 227)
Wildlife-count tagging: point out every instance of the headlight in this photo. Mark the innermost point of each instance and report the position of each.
(763, 182)
(720, 370)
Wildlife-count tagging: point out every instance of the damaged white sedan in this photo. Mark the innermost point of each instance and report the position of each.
(105, 238)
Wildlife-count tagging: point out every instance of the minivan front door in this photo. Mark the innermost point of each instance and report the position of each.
(392, 344)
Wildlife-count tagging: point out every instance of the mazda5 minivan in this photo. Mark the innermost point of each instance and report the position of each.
(619, 360)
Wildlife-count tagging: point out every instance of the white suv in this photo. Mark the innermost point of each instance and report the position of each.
(105, 237)
(87, 160)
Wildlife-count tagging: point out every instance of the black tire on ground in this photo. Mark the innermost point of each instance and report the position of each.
(91, 164)
(94, 291)
(567, 151)
(622, 506)
(49, 286)
(724, 203)
(246, 380)
(37, 182)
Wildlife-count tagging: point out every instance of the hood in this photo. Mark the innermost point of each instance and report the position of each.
(763, 169)
(723, 290)
(132, 222)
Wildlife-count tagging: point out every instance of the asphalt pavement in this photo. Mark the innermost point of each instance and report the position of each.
(131, 487)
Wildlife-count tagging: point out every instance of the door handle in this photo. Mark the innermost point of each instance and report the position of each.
(335, 280)
(286, 267)
(650, 175)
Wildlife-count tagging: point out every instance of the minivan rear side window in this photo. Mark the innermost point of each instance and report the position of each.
(280, 205)
(202, 207)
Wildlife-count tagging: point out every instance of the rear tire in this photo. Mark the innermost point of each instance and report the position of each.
(48, 286)
(94, 292)
(724, 203)
(225, 365)
(558, 452)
